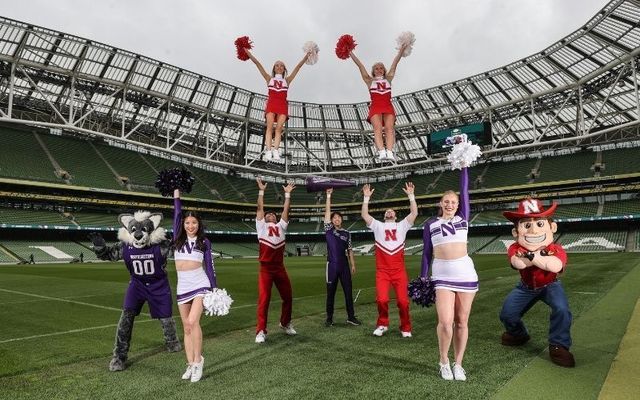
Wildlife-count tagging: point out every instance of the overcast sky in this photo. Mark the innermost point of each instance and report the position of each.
(454, 38)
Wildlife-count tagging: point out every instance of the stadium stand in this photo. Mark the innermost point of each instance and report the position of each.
(48, 251)
(561, 168)
(620, 161)
(130, 165)
(19, 216)
(22, 157)
(594, 241)
(501, 174)
(622, 208)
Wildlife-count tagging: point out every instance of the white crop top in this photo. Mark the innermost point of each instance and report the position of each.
(189, 252)
(443, 231)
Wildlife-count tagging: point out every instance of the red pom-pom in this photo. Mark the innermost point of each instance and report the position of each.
(345, 44)
(243, 42)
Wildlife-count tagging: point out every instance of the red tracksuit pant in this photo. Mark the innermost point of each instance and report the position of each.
(396, 277)
(273, 274)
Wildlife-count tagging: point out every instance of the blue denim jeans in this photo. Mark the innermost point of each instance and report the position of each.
(521, 299)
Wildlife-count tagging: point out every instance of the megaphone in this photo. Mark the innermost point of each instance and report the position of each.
(319, 184)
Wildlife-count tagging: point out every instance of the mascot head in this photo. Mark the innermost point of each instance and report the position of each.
(533, 225)
(141, 229)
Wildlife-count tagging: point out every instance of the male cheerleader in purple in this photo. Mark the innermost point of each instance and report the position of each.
(339, 259)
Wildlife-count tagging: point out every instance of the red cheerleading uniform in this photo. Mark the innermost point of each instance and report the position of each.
(277, 101)
(380, 91)
(272, 272)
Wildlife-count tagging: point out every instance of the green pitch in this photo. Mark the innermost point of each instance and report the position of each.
(57, 325)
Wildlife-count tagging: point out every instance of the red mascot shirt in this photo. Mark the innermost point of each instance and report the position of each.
(535, 277)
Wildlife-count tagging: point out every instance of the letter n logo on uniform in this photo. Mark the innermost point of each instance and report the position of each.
(277, 84)
(381, 85)
(390, 234)
(274, 231)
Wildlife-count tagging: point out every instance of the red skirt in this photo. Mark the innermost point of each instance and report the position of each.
(277, 106)
(377, 108)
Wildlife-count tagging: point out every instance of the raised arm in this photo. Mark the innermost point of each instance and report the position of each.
(261, 187)
(367, 192)
(287, 201)
(293, 73)
(104, 252)
(427, 251)
(263, 72)
(464, 209)
(209, 269)
(409, 189)
(394, 64)
(327, 208)
(363, 71)
(177, 213)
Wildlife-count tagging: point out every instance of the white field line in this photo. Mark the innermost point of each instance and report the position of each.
(82, 303)
(113, 325)
(67, 332)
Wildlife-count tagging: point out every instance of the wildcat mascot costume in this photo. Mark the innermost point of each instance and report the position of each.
(144, 248)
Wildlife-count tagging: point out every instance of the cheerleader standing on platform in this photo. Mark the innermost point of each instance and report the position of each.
(381, 112)
(196, 276)
(277, 109)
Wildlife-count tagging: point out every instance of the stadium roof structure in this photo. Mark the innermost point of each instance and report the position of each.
(581, 90)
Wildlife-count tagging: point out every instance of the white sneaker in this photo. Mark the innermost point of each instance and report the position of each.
(382, 154)
(196, 370)
(459, 373)
(261, 337)
(445, 372)
(390, 156)
(275, 154)
(187, 373)
(406, 334)
(268, 155)
(380, 330)
(288, 329)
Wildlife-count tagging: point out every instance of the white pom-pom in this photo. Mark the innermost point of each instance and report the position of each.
(463, 154)
(313, 49)
(408, 39)
(217, 302)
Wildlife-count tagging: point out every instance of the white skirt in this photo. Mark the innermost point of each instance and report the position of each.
(192, 284)
(458, 275)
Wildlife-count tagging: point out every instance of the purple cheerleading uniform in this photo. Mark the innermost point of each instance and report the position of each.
(338, 245)
(149, 281)
(457, 275)
(198, 282)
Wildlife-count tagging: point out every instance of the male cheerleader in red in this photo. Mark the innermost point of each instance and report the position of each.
(271, 237)
(390, 270)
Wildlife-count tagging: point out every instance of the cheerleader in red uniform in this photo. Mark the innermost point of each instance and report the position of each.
(277, 109)
(381, 112)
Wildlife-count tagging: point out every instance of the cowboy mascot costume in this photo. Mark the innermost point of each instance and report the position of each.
(539, 262)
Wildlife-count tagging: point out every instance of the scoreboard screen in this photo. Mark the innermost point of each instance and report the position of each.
(479, 134)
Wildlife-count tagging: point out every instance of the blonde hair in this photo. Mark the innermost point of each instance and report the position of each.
(445, 194)
(384, 74)
(273, 70)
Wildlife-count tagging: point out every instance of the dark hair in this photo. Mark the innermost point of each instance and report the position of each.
(338, 213)
(181, 235)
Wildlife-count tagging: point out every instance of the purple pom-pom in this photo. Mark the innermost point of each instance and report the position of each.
(422, 291)
(174, 178)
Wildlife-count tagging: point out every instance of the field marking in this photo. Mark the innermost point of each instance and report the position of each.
(82, 303)
(39, 300)
(67, 332)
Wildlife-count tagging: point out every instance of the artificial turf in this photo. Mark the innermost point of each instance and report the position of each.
(57, 344)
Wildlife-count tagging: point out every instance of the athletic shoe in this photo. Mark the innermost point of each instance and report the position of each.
(328, 322)
(196, 370)
(276, 154)
(261, 337)
(354, 321)
(380, 330)
(458, 373)
(390, 156)
(406, 334)
(268, 155)
(187, 373)
(445, 372)
(288, 329)
(382, 155)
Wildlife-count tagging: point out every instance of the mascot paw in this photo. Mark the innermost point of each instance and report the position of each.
(173, 347)
(117, 364)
